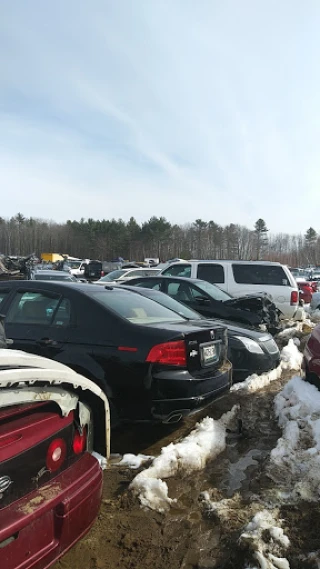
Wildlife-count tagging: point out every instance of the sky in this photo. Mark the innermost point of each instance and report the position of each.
(185, 109)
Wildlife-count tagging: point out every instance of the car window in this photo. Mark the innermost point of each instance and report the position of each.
(173, 289)
(211, 272)
(150, 283)
(213, 291)
(180, 291)
(3, 295)
(260, 274)
(178, 271)
(32, 308)
(62, 316)
(134, 307)
(132, 274)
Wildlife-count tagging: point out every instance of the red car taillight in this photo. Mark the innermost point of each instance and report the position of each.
(169, 353)
(56, 454)
(294, 297)
(79, 442)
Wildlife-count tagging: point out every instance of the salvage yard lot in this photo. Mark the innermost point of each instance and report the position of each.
(238, 492)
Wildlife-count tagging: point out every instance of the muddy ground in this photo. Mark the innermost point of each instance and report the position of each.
(189, 537)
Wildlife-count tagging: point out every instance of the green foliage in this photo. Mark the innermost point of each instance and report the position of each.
(311, 235)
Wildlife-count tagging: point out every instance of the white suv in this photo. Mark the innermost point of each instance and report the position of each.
(244, 277)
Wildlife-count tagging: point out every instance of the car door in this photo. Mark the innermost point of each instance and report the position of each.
(36, 321)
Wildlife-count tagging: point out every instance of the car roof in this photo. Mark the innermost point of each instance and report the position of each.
(57, 285)
(170, 278)
(224, 261)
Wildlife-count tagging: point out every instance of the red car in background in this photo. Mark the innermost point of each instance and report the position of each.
(305, 291)
(311, 358)
(50, 483)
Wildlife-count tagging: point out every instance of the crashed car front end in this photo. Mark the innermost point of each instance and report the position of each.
(258, 310)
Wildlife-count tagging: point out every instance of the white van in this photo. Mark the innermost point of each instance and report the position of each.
(244, 277)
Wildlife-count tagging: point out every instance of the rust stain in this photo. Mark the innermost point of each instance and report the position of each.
(46, 493)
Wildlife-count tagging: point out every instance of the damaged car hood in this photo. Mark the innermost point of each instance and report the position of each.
(256, 309)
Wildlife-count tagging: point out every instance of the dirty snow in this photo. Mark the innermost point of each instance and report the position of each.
(134, 461)
(101, 459)
(291, 358)
(205, 442)
(295, 462)
(297, 328)
(266, 540)
(315, 316)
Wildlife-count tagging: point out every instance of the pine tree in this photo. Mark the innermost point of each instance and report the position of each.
(261, 230)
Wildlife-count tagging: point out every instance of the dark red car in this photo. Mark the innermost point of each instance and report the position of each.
(305, 291)
(311, 358)
(50, 483)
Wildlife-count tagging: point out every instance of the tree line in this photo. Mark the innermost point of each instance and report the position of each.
(108, 239)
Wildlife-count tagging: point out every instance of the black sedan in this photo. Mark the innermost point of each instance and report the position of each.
(152, 363)
(250, 351)
(212, 302)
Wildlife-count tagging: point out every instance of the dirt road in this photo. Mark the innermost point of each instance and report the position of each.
(189, 536)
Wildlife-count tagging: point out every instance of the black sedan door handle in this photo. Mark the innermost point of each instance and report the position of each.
(47, 342)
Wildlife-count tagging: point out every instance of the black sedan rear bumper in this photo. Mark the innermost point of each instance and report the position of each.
(174, 396)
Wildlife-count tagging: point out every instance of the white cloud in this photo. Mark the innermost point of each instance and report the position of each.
(146, 108)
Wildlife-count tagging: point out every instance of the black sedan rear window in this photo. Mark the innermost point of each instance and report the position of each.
(135, 308)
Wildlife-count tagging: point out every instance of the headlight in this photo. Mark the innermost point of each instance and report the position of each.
(251, 345)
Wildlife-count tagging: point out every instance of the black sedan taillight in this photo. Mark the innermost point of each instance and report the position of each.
(169, 353)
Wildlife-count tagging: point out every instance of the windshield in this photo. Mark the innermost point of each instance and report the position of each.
(135, 308)
(214, 291)
(113, 275)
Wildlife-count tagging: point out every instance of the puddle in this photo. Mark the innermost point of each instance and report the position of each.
(237, 471)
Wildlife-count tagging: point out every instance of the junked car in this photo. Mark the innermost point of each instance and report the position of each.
(51, 419)
(51, 275)
(249, 350)
(152, 363)
(241, 278)
(125, 274)
(311, 357)
(212, 302)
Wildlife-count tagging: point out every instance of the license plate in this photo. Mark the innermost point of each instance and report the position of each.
(209, 354)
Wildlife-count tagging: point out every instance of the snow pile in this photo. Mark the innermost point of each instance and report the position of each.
(205, 442)
(255, 381)
(296, 329)
(295, 461)
(101, 459)
(291, 358)
(266, 540)
(134, 461)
